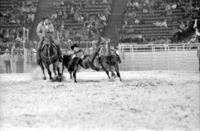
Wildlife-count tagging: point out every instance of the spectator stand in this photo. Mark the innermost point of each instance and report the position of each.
(153, 20)
(81, 20)
(15, 15)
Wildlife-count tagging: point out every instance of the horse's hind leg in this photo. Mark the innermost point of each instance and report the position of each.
(43, 71)
(117, 71)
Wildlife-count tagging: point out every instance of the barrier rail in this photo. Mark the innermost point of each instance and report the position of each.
(134, 57)
(127, 47)
(159, 57)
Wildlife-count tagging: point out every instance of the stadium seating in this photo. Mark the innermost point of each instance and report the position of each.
(14, 15)
(82, 18)
(142, 18)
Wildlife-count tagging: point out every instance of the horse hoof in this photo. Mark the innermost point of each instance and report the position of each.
(44, 78)
(59, 79)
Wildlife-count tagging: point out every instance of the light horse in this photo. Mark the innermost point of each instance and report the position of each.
(72, 64)
(49, 55)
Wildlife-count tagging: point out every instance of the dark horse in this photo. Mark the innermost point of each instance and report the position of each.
(49, 55)
(73, 64)
(109, 62)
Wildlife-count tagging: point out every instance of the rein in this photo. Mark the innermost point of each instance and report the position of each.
(48, 51)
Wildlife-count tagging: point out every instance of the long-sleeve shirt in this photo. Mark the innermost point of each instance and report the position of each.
(43, 29)
(40, 30)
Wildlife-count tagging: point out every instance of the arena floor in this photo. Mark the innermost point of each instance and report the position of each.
(145, 100)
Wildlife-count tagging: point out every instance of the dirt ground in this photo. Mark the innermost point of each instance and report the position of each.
(144, 100)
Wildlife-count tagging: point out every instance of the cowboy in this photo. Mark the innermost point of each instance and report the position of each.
(46, 29)
(75, 51)
(104, 46)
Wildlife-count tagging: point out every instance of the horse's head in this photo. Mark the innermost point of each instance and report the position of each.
(47, 40)
(49, 50)
(118, 59)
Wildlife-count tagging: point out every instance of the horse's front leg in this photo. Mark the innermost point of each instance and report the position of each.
(107, 72)
(70, 73)
(112, 72)
(43, 70)
(59, 74)
(54, 69)
(63, 67)
(49, 72)
(117, 71)
(104, 68)
(74, 75)
(57, 68)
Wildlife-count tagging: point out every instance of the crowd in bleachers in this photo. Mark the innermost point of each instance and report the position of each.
(14, 15)
(145, 21)
(18, 12)
(81, 20)
(155, 20)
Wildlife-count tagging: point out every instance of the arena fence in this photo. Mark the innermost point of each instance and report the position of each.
(134, 57)
(159, 57)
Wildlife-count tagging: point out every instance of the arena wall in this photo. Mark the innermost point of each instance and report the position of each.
(184, 60)
(165, 60)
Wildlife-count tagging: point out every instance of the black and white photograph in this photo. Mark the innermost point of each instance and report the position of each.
(99, 65)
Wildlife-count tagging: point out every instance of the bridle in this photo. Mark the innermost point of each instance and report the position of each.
(48, 43)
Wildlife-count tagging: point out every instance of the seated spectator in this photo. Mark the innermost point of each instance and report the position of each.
(161, 23)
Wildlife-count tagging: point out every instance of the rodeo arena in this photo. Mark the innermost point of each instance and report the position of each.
(99, 65)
